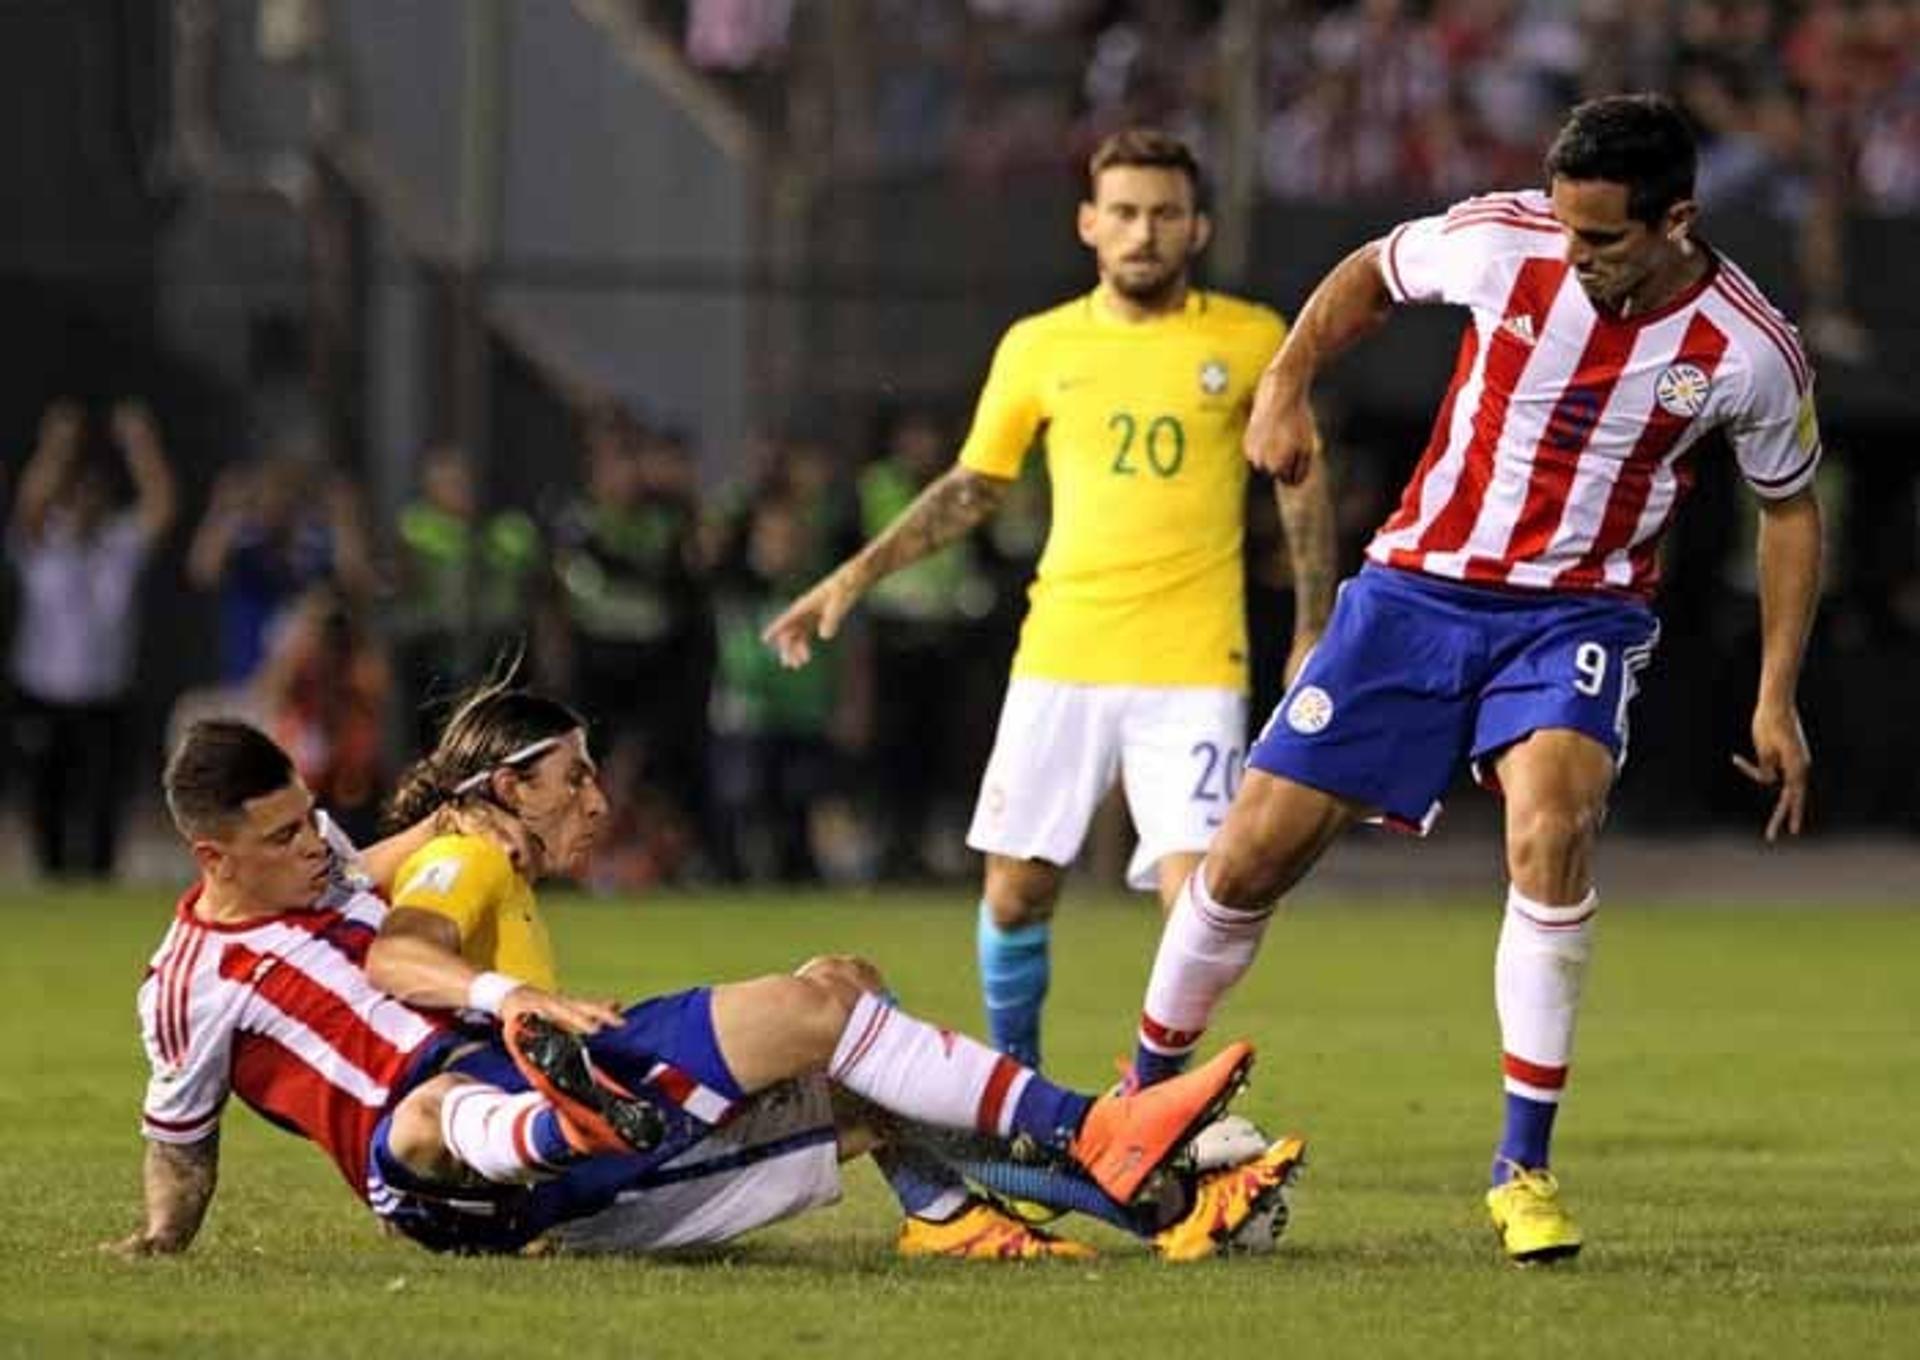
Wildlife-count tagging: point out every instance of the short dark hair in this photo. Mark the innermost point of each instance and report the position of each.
(1639, 140)
(1147, 147)
(219, 767)
(493, 722)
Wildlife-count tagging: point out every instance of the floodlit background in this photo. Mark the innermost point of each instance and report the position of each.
(595, 327)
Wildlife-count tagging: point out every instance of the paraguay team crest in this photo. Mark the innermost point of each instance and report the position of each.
(1213, 377)
(1310, 710)
(1682, 390)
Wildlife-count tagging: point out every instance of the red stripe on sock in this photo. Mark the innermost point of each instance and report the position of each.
(1171, 1040)
(986, 1119)
(522, 1144)
(1533, 1074)
(862, 1044)
(1571, 923)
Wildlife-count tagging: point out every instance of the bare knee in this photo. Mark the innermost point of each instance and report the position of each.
(845, 973)
(1021, 892)
(814, 1007)
(413, 1131)
(1274, 833)
(1548, 845)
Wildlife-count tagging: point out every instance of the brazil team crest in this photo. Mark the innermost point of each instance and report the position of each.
(1213, 377)
(1682, 390)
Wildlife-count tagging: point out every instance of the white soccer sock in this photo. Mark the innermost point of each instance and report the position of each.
(490, 1132)
(1204, 950)
(915, 1069)
(1538, 971)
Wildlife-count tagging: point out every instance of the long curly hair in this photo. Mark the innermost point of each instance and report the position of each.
(497, 725)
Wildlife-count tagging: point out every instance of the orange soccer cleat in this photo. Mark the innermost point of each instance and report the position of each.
(1129, 1135)
(597, 1115)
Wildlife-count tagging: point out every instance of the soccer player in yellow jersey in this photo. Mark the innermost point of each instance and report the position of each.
(1133, 657)
(515, 790)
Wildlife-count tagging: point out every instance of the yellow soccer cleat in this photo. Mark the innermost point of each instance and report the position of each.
(1533, 1225)
(1240, 1209)
(983, 1231)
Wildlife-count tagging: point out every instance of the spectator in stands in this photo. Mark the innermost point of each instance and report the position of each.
(465, 585)
(78, 556)
(637, 624)
(922, 623)
(323, 689)
(773, 752)
(272, 530)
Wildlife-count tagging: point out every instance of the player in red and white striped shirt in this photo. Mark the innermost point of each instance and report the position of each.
(1502, 617)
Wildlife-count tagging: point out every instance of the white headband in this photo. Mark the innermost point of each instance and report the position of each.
(527, 752)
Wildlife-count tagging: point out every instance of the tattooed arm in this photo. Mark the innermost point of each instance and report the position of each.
(1306, 513)
(179, 1180)
(946, 510)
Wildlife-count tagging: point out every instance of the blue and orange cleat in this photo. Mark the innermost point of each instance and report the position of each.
(597, 1115)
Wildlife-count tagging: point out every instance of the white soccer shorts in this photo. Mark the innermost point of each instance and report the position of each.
(777, 1158)
(1178, 752)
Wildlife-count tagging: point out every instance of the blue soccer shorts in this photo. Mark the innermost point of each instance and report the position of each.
(666, 1045)
(1417, 674)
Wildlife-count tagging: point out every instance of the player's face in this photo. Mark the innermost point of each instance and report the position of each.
(1613, 254)
(273, 859)
(560, 801)
(1144, 230)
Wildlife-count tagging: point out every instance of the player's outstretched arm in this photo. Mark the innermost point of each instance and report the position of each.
(416, 958)
(1347, 304)
(179, 1180)
(1790, 546)
(950, 507)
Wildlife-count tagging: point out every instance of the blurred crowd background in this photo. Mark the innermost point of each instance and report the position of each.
(355, 348)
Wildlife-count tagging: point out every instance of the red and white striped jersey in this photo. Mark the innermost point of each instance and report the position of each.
(1560, 452)
(279, 1012)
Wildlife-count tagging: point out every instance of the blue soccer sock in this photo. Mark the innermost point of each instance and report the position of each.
(1151, 1068)
(1050, 1115)
(926, 1187)
(1525, 1139)
(549, 1144)
(1056, 1189)
(1014, 971)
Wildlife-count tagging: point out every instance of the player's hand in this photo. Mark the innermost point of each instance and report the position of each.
(1780, 756)
(819, 612)
(1281, 437)
(132, 423)
(570, 1013)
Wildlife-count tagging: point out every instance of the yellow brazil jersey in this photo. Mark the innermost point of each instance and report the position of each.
(1140, 582)
(471, 881)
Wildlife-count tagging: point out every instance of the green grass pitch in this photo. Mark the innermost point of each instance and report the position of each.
(1740, 1142)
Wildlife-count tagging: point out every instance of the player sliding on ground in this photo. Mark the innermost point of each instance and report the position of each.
(466, 1140)
(510, 782)
(1133, 657)
(1503, 616)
